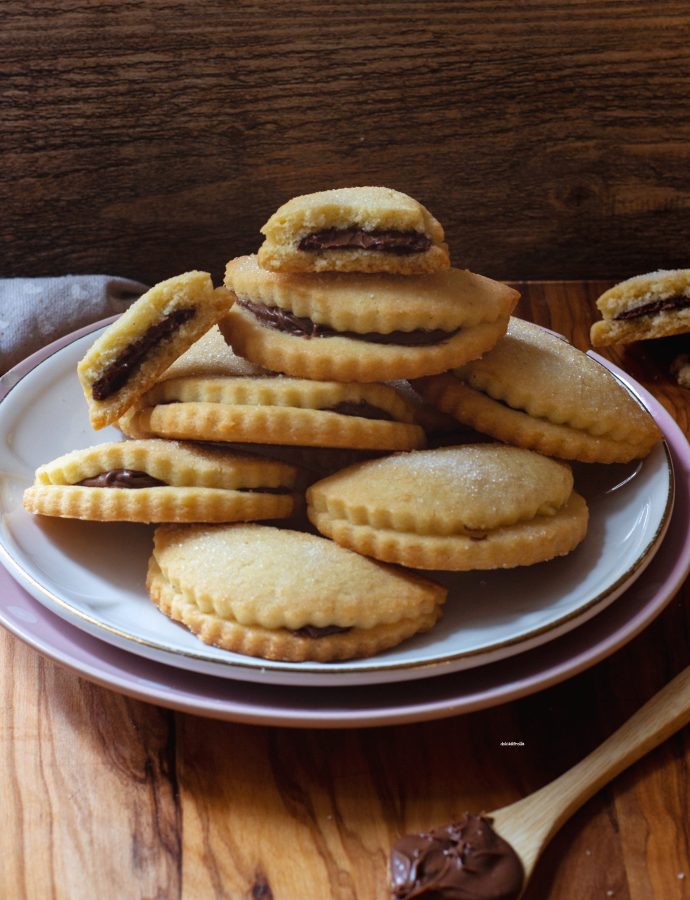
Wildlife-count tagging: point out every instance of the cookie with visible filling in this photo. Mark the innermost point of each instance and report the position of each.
(285, 595)
(161, 481)
(476, 506)
(359, 229)
(535, 390)
(362, 328)
(653, 305)
(274, 410)
(135, 350)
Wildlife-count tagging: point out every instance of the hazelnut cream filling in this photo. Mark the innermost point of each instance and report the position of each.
(133, 479)
(401, 243)
(653, 308)
(127, 362)
(300, 326)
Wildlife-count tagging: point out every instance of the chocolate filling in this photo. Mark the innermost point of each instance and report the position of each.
(402, 243)
(461, 860)
(361, 408)
(313, 631)
(300, 326)
(652, 308)
(122, 478)
(132, 479)
(266, 490)
(121, 369)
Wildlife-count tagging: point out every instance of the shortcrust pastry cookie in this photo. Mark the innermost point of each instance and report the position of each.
(535, 390)
(134, 351)
(360, 229)
(476, 506)
(286, 595)
(161, 481)
(653, 305)
(272, 410)
(211, 356)
(363, 328)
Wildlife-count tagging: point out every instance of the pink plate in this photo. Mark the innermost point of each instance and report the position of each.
(369, 705)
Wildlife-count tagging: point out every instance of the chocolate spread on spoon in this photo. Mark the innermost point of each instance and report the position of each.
(300, 326)
(121, 369)
(466, 860)
(401, 243)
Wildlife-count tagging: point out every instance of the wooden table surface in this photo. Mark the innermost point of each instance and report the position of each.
(104, 796)
(140, 139)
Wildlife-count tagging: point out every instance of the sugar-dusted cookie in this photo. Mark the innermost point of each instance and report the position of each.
(161, 481)
(477, 506)
(272, 410)
(653, 305)
(134, 351)
(286, 595)
(352, 327)
(535, 390)
(209, 357)
(360, 229)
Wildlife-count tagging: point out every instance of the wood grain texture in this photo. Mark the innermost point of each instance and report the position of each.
(144, 139)
(123, 799)
(87, 782)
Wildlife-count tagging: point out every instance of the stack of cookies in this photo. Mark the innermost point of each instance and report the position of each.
(348, 335)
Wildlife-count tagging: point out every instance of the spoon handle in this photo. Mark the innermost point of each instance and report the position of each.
(542, 813)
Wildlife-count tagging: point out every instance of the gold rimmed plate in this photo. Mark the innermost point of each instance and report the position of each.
(92, 574)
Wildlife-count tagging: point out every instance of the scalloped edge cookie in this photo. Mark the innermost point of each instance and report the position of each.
(248, 588)
(287, 411)
(455, 508)
(350, 360)
(443, 301)
(535, 390)
(197, 484)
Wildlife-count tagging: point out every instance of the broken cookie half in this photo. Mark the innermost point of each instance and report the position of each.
(136, 349)
(653, 305)
(356, 229)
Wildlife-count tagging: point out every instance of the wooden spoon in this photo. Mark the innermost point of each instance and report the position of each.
(530, 823)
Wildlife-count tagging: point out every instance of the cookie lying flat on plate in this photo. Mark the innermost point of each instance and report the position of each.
(161, 481)
(535, 390)
(362, 327)
(478, 506)
(272, 410)
(360, 229)
(282, 594)
(647, 306)
(132, 352)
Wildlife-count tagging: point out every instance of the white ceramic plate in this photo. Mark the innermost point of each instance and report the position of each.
(92, 574)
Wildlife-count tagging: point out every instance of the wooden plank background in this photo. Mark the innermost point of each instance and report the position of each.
(145, 138)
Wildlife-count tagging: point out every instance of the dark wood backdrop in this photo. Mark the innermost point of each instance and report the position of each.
(147, 137)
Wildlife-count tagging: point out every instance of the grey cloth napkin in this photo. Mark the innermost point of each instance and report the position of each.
(36, 311)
